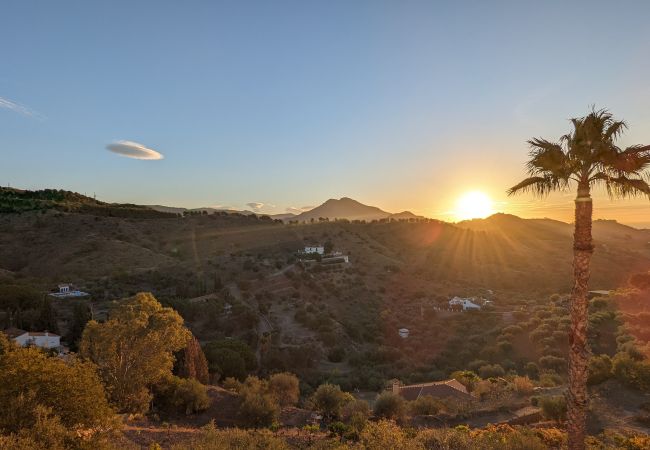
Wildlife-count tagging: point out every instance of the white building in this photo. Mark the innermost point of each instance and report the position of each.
(403, 333)
(464, 303)
(42, 339)
(65, 290)
(315, 249)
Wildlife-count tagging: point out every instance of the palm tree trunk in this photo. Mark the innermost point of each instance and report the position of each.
(577, 398)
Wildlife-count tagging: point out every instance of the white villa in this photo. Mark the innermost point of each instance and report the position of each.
(403, 333)
(42, 339)
(315, 249)
(65, 290)
(465, 303)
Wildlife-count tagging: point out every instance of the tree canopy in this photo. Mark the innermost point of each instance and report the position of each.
(134, 349)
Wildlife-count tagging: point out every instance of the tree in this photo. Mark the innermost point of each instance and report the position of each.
(285, 388)
(191, 362)
(258, 406)
(329, 399)
(587, 157)
(390, 406)
(185, 395)
(230, 358)
(80, 317)
(73, 391)
(134, 349)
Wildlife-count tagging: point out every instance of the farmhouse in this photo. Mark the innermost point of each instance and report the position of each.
(437, 389)
(463, 303)
(42, 339)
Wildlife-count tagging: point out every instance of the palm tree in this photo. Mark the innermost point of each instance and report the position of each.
(588, 157)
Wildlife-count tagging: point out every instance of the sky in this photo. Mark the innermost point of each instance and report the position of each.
(279, 105)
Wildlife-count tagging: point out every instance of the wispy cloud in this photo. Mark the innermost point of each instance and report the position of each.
(133, 150)
(255, 205)
(18, 108)
(296, 210)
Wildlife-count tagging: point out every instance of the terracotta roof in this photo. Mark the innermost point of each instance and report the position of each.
(14, 332)
(42, 333)
(440, 389)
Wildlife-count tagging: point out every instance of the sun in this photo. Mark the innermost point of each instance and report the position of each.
(473, 205)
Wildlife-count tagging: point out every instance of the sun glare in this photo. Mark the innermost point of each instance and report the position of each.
(473, 205)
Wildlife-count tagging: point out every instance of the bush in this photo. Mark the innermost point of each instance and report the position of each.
(600, 369)
(285, 388)
(425, 406)
(258, 407)
(390, 406)
(491, 371)
(553, 363)
(523, 385)
(356, 413)
(184, 395)
(550, 379)
(554, 407)
(329, 400)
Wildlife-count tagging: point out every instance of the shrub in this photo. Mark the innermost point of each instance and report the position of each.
(600, 369)
(212, 438)
(553, 363)
(329, 400)
(491, 371)
(258, 407)
(390, 406)
(554, 407)
(184, 395)
(425, 406)
(356, 413)
(523, 385)
(285, 388)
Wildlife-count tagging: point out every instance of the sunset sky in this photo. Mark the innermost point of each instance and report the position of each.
(280, 105)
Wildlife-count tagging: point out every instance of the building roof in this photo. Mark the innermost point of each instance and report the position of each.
(42, 333)
(14, 332)
(440, 389)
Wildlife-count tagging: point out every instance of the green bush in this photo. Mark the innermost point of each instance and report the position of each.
(554, 407)
(390, 406)
(329, 400)
(425, 406)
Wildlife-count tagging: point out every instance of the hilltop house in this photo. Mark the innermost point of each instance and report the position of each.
(65, 290)
(466, 304)
(42, 339)
(437, 389)
(315, 249)
(403, 333)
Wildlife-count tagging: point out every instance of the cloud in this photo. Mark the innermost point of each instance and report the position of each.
(18, 108)
(296, 210)
(133, 150)
(255, 205)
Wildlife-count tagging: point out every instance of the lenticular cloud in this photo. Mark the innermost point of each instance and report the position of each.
(133, 150)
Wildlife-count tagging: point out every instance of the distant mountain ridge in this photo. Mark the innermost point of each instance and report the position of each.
(343, 208)
(347, 208)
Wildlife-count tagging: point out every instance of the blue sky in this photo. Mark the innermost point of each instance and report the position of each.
(399, 104)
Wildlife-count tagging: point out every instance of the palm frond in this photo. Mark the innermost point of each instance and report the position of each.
(623, 186)
(540, 186)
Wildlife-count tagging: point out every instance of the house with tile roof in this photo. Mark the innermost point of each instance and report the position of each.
(42, 339)
(436, 389)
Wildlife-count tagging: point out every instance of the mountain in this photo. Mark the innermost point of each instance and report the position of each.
(347, 208)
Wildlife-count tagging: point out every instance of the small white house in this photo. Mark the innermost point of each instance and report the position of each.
(403, 333)
(315, 249)
(42, 339)
(465, 303)
(65, 290)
